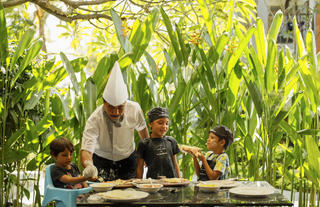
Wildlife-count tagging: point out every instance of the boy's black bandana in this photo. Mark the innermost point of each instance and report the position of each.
(157, 113)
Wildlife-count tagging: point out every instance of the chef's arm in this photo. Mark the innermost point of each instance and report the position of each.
(85, 155)
(144, 133)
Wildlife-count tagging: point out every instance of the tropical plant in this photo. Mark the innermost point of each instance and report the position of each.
(219, 70)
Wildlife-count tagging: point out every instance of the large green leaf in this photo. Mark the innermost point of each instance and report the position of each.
(255, 95)
(172, 36)
(313, 158)
(281, 68)
(152, 65)
(309, 83)
(15, 137)
(261, 42)
(230, 16)
(311, 49)
(78, 64)
(32, 53)
(269, 77)
(143, 92)
(125, 60)
(125, 43)
(207, 72)
(238, 52)
(23, 44)
(171, 67)
(221, 44)
(13, 155)
(142, 35)
(234, 82)
(207, 89)
(313, 132)
(275, 26)
(291, 132)
(185, 53)
(90, 98)
(4, 36)
(257, 65)
(33, 101)
(283, 114)
(174, 103)
(299, 39)
(205, 11)
(44, 124)
(71, 73)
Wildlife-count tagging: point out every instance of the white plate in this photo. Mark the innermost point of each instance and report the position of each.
(123, 195)
(223, 183)
(102, 186)
(149, 187)
(175, 182)
(252, 191)
(208, 187)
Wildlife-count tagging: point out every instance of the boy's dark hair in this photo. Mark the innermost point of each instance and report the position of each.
(223, 132)
(59, 145)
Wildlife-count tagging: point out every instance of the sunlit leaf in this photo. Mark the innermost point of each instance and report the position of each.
(90, 98)
(172, 36)
(23, 44)
(275, 26)
(269, 77)
(125, 44)
(71, 73)
(299, 39)
(261, 42)
(239, 50)
(4, 36)
(205, 11)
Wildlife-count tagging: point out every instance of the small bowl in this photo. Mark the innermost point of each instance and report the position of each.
(150, 188)
(100, 187)
(207, 187)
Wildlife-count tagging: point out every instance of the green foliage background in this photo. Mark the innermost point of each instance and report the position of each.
(223, 69)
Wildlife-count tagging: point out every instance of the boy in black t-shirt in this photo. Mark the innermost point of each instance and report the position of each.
(65, 174)
(159, 151)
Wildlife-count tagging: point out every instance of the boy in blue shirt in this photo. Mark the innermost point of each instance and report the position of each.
(215, 164)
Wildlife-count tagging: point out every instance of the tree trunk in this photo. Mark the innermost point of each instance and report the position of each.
(42, 17)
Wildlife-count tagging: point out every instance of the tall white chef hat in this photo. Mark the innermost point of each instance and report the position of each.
(115, 92)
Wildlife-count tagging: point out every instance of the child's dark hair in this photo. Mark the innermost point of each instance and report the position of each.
(223, 132)
(59, 145)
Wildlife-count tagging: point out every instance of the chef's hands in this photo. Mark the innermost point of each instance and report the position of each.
(90, 171)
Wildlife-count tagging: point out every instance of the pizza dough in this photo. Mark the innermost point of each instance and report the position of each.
(191, 149)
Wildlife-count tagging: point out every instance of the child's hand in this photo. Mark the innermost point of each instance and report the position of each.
(200, 156)
(92, 179)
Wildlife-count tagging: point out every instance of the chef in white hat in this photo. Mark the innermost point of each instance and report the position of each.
(108, 147)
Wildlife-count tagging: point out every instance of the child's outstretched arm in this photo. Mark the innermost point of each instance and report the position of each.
(139, 170)
(212, 174)
(176, 165)
(196, 164)
(74, 180)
